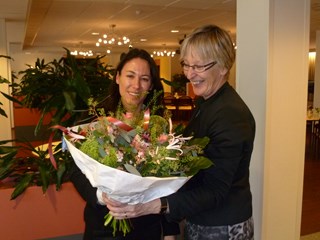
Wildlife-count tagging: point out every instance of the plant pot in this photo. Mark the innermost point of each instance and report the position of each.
(34, 215)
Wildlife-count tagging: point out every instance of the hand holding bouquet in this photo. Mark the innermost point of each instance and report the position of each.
(135, 164)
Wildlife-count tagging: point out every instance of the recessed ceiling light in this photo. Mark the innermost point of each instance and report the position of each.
(174, 30)
(95, 33)
(143, 39)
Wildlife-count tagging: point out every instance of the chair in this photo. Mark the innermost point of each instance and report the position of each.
(170, 104)
(315, 137)
(167, 94)
(185, 107)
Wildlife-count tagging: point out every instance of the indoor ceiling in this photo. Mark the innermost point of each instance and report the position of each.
(50, 25)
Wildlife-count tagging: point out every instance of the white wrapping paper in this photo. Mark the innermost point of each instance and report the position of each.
(120, 185)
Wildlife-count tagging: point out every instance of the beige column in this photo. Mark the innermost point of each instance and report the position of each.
(5, 123)
(316, 95)
(272, 77)
(165, 71)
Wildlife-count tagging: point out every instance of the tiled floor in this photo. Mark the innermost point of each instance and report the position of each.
(314, 236)
(70, 237)
(310, 220)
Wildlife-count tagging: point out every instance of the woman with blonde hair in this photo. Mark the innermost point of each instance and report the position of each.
(216, 203)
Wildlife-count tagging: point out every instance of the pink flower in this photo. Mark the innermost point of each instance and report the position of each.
(128, 115)
(120, 156)
(140, 157)
(110, 130)
(163, 138)
(139, 144)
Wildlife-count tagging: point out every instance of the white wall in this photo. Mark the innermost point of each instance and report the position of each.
(272, 77)
(5, 123)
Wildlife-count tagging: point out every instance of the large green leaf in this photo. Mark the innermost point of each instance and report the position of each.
(9, 156)
(202, 142)
(2, 112)
(61, 171)
(13, 99)
(70, 98)
(198, 164)
(22, 185)
(6, 169)
(45, 177)
(4, 80)
(3, 142)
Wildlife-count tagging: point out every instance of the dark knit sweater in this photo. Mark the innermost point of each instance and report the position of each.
(219, 195)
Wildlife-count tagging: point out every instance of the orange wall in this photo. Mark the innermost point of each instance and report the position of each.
(34, 215)
(27, 117)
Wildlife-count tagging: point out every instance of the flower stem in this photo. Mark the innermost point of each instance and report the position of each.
(122, 225)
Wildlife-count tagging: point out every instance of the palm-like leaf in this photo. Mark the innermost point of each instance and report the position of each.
(61, 89)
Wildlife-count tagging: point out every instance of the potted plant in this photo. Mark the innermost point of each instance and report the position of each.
(179, 82)
(61, 89)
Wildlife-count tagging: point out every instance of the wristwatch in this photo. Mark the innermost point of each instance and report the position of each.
(164, 205)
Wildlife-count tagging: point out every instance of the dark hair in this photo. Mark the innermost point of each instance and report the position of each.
(114, 96)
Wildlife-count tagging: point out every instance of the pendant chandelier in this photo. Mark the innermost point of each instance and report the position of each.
(81, 51)
(163, 52)
(112, 38)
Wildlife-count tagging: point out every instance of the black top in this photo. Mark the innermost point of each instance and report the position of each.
(219, 195)
(148, 227)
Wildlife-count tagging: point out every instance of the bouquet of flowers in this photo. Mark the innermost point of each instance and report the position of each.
(135, 164)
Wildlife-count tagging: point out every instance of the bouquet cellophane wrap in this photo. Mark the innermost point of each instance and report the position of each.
(120, 185)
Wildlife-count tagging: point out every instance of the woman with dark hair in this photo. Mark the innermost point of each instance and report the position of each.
(114, 96)
(216, 203)
(135, 88)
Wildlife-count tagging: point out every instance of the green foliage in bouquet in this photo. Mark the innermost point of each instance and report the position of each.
(148, 145)
(155, 151)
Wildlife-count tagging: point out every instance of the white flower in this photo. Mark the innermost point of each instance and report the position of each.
(176, 142)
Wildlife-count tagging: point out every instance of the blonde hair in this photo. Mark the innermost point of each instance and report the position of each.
(211, 43)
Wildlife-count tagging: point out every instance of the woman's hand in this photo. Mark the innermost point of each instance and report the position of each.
(122, 210)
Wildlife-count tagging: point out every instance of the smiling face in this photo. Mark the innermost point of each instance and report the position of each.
(206, 83)
(134, 83)
(199, 50)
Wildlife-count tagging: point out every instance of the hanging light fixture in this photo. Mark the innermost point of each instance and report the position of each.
(112, 38)
(163, 53)
(81, 52)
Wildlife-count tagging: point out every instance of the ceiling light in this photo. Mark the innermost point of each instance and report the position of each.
(163, 53)
(112, 38)
(82, 53)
